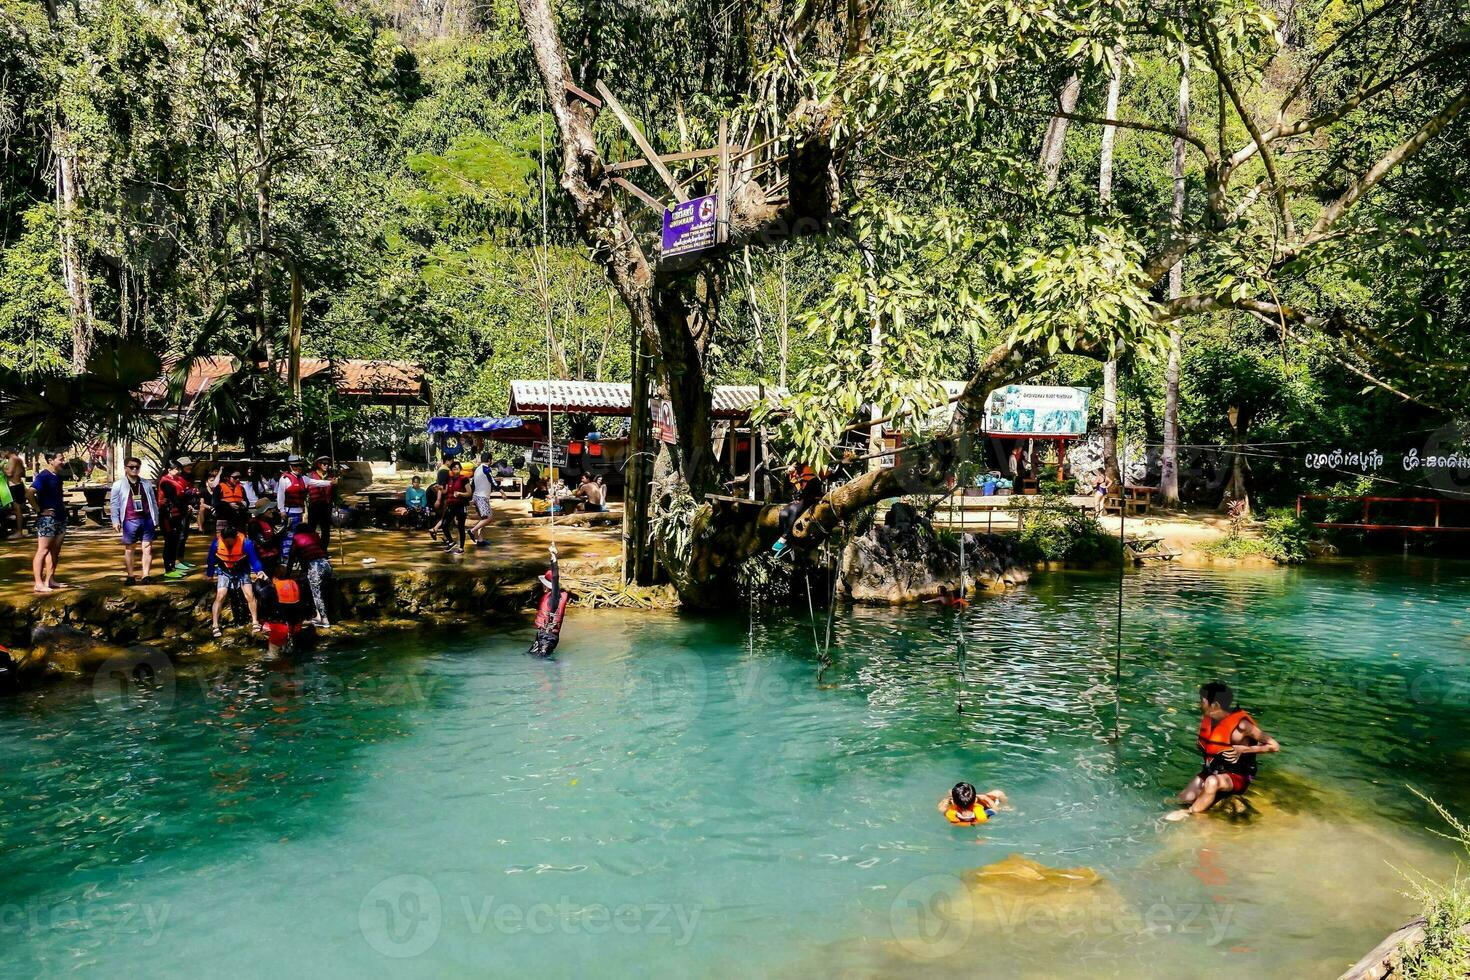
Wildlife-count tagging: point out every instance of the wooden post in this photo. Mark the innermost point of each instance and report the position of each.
(722, 188)
(642, 143)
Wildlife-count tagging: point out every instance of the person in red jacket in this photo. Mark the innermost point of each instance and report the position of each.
(550, 613)
(320, 483)
(308, 552)
(176, 498)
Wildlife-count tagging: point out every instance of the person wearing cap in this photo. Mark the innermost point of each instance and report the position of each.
(550, 613)
(265, 531)
(133, 507)
(175, 496)
(291, 497)
(319, 486)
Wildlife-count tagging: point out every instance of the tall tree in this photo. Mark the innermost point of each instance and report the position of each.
(1111, 471)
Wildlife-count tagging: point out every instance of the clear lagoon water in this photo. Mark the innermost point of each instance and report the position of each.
(683, 796)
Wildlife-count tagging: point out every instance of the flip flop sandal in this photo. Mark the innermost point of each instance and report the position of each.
(217, 632)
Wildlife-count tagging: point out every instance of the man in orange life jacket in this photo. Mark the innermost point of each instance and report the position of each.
(232, 563)
(232, 501)
(550, 613)
(1230, 741)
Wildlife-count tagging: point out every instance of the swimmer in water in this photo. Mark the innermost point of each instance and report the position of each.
(954, 600)
(1229, 741)
(964, 806)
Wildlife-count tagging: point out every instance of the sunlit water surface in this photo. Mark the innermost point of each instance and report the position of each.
(681, 795)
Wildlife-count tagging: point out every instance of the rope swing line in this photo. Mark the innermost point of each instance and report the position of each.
(545, 277)
(1122, 561)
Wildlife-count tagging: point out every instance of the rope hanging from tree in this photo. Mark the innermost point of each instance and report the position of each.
(545, 276)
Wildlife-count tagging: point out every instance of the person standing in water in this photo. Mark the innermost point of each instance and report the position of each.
(1229, 741)
(550, 613)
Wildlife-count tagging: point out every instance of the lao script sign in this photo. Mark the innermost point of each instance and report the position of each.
(1036, 410)
(690, 226)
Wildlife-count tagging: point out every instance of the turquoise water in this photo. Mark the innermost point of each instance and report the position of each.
(679, 795)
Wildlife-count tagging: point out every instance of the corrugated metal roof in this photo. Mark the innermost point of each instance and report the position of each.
(612, 398)
(393, 380)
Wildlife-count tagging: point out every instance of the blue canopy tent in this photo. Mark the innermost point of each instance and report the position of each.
(454, 435)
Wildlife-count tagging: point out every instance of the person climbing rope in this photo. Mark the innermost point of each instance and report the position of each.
(550, 613)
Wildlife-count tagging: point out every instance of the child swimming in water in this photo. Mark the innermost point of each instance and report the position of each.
(964, 806)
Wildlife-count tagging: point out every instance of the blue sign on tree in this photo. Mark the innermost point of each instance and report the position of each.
(690, 226)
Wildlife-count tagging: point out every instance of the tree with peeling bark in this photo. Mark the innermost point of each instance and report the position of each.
(939, 106)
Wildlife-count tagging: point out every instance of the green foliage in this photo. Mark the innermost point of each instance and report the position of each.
(1283, 538)
(1444, 953)
(1054, 530)
(1288, 538)
(35, 328)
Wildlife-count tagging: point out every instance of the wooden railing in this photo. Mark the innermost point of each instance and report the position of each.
(1368, 524)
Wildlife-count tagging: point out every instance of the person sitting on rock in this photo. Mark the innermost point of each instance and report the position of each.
(1229, 741)
(965, 807)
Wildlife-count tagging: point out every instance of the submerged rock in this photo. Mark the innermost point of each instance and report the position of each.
(68, 651)
(1021, 873)
(909, 563)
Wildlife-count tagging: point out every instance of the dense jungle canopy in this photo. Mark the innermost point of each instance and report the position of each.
(1265, 201)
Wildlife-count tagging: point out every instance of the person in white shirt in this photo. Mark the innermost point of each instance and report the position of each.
(484, 486)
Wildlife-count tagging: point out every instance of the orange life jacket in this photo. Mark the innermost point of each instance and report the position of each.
(231, 555)
(1214, 737)
(978, 815)
(288, 591)
(232, 494)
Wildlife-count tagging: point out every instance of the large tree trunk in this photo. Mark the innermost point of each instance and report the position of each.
(674, 307)
(1169, 464)
(73, 262)
(1111, 471)
(1055, 140)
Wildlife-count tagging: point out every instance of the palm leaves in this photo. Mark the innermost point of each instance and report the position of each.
(52, 408)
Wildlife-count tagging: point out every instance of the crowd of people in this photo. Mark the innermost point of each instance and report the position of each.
(268, 529)
(268, 533)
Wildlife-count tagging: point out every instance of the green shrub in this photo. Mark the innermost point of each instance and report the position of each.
(1054, 530)
(1445, 952)
(1288, 538)
(1284, 538)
